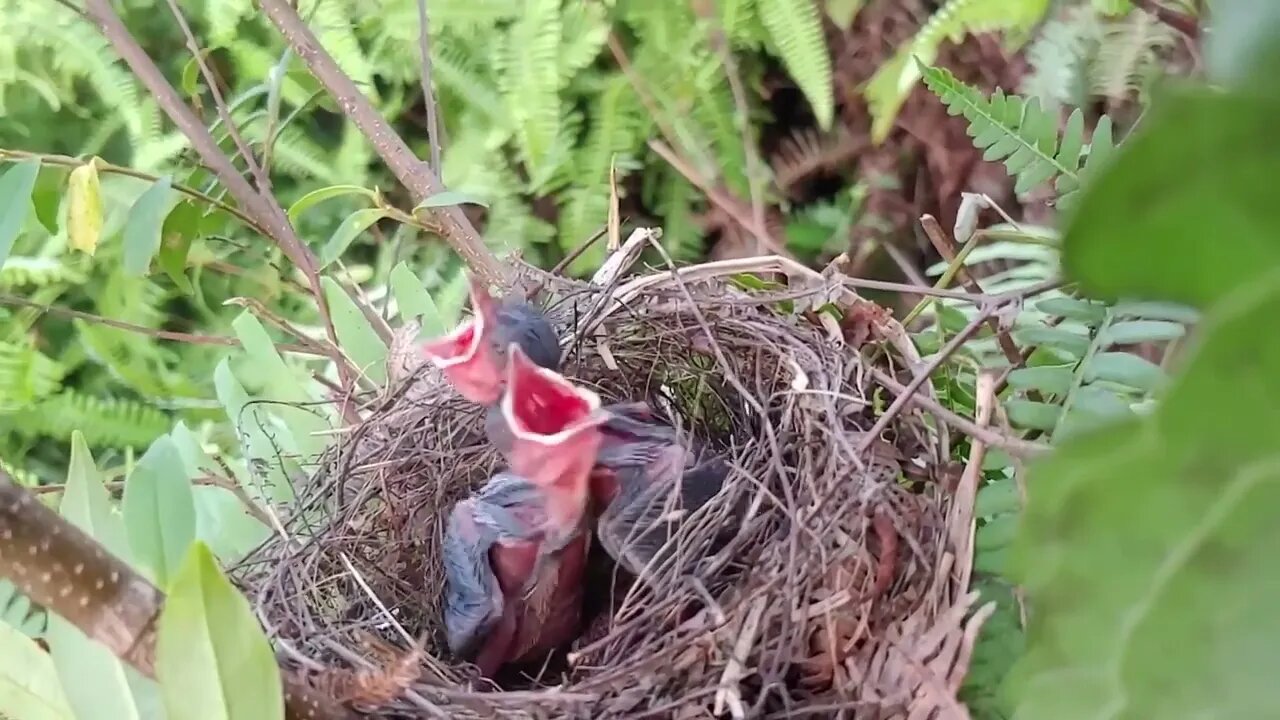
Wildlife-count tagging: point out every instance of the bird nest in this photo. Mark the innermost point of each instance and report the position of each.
(839, 584)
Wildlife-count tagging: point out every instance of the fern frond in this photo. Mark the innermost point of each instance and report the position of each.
(893, 82)
(1128, 54)
(36, 272)
(795, 27)
(26, 375)
(585, 30)
(105, 421)
(529, 71)
(1057, 59)
(1022, 135)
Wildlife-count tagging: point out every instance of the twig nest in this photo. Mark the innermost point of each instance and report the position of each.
(841, 585)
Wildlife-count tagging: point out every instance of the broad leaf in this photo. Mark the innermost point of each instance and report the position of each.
(29, 685)
(1126, 369)
(1033, 415)
(358, 339)
(16, 185)
(1050, 379)
(414, 301)
(290, 399)
(159, 511)
(212, 658)
(1141, 331)
(354, 224)
(143, 227)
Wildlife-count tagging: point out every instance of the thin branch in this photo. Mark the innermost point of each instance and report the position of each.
(947, 249)
(720, 43)
(721, 199)
(106, 167)
(219, 102)
(418, 177)
(429, 97)
(263, 207)
(172, 335)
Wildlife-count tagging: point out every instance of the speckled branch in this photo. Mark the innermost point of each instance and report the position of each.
(417, 176)
(58, 566)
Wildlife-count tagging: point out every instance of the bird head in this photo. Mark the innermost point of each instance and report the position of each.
(555, 428)
(466, 356)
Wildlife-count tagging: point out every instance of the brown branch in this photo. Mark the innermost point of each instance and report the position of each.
(418, 177)
(263, 207)
(718, 197)
(947, 249)
(57, 566)
(172, 335)
(1181, 22)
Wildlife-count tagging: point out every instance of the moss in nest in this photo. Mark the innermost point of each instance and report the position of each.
(836, 587)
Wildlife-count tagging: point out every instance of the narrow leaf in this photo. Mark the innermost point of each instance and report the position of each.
(414, 301)
(358, 339)
(1089, 313)
(997, 498)
(16, 185)
(1073, 343)
(354, 224)
(1049, 379)
(84, 208)
(159, 511)
(1140, 331)
(449, 197)
(325, 193)
(1033, 415)
(142, 228)
(85, 502)
(212, 658)
(1126, 369)
(93, 678)
(29, 685)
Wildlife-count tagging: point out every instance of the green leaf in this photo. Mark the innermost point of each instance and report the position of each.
(1073, 343)
(356, 336)
(287, 396)
(449, 197)
(94, 680)
(1141, 331)
(796, 30)
(85, 502)
(1049, 379)
(354, 224)
(1148, 547)
(1089, 313)
(325, 193)
(1033, 415)
(159, 511)
(29, 685)
(1241, 51)
(997, 498)
(16, 185)
(180, 230)
(224, 523)
(142, 229)
(1126, 369)
(212, 658)
(414, 301)
(1178, 223)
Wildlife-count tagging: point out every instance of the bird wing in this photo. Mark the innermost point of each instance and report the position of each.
(634, 528)
(472, 599)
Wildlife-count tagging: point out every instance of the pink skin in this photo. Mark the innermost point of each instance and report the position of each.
(467, 361)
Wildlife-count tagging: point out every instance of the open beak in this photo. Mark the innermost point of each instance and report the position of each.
(554, 423)
(467, 360)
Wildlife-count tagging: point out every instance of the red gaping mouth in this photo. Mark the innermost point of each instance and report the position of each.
(542, 406)
(458, 347)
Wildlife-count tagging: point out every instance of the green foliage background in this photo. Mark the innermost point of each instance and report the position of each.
(1144, 530)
